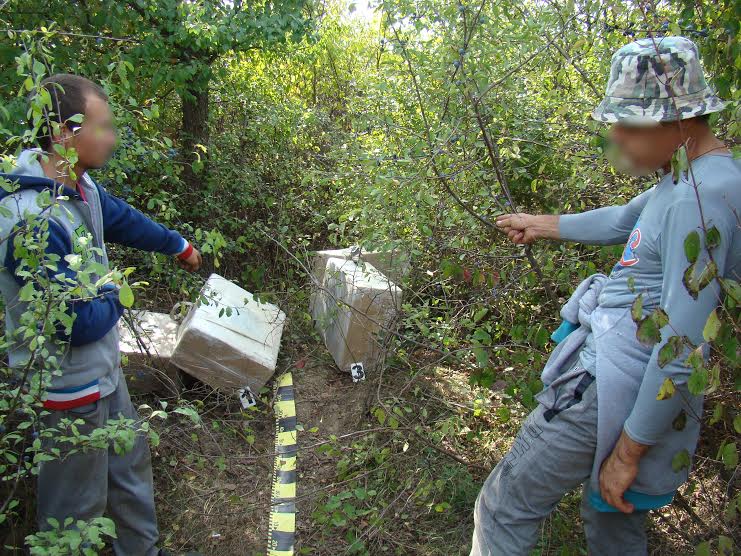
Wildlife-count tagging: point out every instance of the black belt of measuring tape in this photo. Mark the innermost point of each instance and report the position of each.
(282, 526)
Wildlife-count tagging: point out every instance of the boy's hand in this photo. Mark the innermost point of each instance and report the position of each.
(192, 262)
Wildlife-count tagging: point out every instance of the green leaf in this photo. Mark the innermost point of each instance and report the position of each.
(681, 460)
(697, 382)
(636, 309)
(692, 246)
(482, 356)
(503, 413)
(542, 337)
(725, 546)
(695, 359)
(732, 509)
(680, 421)
(694, 283)
(666, 390)
(38, 68)
(649, 329)
(729, 455)
(712, 238)
(660, 317)
(690, 284)
(680, 163)
(718, 412)
(26, 292)
(712, 327)
(632, 284)
(670, 350)
(647, 332)
(380, 415)
(703, 549)
(482, 336)
(733, 292)
(707, 275)
(737, 423)
(480, 314)
(125, 295)
(189, 412)
(714, 379)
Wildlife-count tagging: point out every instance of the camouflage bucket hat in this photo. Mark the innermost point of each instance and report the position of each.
(653, 82)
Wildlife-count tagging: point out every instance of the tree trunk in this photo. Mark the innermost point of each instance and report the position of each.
(195, 132)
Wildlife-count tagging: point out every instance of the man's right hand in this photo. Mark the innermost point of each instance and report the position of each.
(522, 228)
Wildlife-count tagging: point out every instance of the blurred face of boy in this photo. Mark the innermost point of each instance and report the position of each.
(94, 139)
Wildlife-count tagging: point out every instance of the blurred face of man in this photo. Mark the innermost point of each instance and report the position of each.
(642, 150)
(95, 138)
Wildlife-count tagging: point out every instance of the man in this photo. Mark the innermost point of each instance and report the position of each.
(599, 422)
(91, 385)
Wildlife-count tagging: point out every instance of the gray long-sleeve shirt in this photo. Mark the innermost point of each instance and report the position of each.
(654, 226)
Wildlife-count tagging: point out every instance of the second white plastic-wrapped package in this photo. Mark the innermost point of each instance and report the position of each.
(231, 340)
(354, 308)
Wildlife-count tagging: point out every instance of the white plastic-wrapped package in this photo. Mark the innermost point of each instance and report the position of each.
(147, 334)
(230, 340)
(393, 264)
(355, 306)
(148, 341)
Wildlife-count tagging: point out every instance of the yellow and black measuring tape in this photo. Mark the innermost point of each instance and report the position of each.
(282, 528)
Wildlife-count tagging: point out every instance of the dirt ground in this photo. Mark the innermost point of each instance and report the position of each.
(213, 493)
(213, 483)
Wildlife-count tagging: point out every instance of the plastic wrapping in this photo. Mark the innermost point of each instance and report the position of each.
(354, 307)
(148, 340)
(393, 264)
(156, 333)
(231, 340)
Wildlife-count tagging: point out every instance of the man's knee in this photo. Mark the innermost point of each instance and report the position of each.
(505, 495)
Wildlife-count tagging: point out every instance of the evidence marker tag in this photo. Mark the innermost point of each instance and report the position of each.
(357, 372)
(247, 397)
(282, 527)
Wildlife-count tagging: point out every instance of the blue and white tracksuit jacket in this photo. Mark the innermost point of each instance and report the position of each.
(88, 216)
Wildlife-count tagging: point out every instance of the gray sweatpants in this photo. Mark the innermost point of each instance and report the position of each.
(552, 454)
(87, 485)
